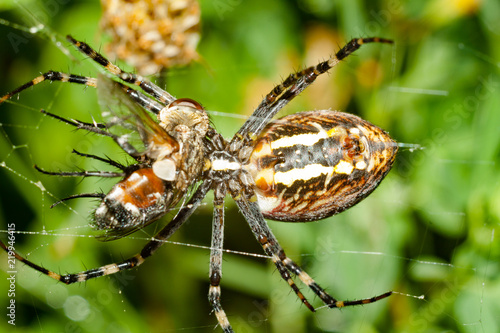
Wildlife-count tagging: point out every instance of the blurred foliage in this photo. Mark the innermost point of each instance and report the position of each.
(430, 229)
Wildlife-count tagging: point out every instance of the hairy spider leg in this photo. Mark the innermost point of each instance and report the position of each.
(52, 76)
(214, 291)
(164, 97)
(141, 99)
(138, 97)
(284, 264)
(149, 87)
(157, 241)
(264, 236)
(296, 83)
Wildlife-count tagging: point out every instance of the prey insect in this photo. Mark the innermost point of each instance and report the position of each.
(302, 167)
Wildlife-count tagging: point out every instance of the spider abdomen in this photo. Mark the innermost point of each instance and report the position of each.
(315, 164)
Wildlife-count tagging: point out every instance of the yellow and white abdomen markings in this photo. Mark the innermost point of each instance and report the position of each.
(304, 139)
(268, 177)
(287, 178)
(315, 164)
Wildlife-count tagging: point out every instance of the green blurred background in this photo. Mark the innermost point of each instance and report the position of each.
(430, 229)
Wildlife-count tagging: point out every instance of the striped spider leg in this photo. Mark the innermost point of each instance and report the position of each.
(296, 83)
(163, 96)
(149, 249)
(302, 167)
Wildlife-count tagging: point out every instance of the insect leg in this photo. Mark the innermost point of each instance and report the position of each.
(104, 174)
(81, 195)
(105, 160)
(98, 129)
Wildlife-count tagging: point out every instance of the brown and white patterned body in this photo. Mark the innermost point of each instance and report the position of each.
(135, 201)
(174, 158)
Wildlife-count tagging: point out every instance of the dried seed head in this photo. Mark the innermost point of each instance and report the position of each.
(152, 35)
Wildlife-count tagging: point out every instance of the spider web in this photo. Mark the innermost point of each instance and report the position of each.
(429, 230)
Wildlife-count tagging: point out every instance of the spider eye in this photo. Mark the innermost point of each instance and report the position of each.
(187, 102)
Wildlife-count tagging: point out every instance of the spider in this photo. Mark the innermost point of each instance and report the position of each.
(302, 167)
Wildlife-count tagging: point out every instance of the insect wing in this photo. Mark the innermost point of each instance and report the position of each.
(130, 122)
